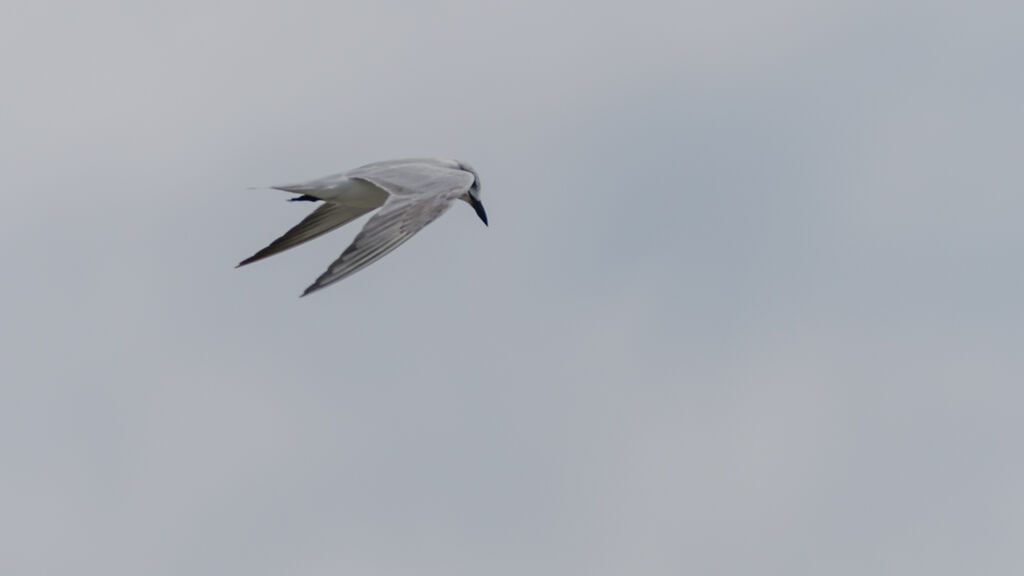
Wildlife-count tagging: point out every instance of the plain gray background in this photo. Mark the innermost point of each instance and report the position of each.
(749, 302)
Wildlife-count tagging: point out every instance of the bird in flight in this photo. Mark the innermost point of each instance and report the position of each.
(410, 194)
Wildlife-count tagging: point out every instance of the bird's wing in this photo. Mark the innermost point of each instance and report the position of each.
(416, 177)
(409, 169)
(320, 221)
(403, 215)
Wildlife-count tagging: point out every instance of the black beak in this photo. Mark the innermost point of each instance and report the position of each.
(479, 207)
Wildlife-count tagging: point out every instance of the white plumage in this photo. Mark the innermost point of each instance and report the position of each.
(410, 193)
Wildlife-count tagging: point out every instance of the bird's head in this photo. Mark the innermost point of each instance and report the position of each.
(472, 196)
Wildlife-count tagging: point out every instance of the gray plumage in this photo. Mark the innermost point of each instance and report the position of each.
(409, 193)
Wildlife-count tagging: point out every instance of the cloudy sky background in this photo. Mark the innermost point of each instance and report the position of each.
(750, 300)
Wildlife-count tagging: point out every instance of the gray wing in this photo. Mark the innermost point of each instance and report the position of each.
(319, 222)
(396, 222)
(416, 177)
(404, 174)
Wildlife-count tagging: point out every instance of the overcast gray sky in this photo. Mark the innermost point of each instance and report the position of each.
(750, 300)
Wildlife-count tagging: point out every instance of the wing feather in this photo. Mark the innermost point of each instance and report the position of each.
(418, 177)
(319, 222)
(397, 221)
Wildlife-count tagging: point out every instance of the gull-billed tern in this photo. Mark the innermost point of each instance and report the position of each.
(410, 193)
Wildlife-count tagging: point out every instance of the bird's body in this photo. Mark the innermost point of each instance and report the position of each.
(410, 194)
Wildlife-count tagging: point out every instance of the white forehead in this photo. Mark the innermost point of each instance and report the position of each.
(465, 166)
(475, 188)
